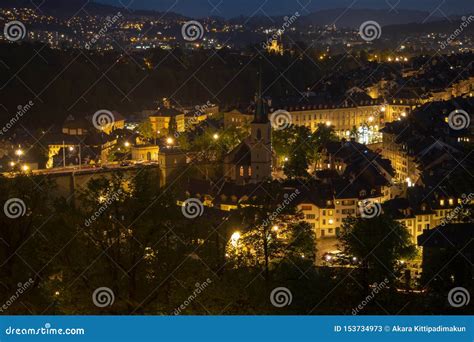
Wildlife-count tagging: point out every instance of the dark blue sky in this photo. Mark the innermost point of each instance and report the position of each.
(231, 8)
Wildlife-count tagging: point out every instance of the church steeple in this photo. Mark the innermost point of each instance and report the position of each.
(260, 115)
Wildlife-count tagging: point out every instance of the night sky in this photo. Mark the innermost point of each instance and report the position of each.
(232, 8)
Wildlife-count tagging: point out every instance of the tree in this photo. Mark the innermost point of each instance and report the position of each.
(296, 146)
(324, 134)
(380, 243)
(145, 129)
(272, 232)
(27, 209)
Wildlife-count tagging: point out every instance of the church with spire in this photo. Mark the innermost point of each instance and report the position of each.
(251, 161)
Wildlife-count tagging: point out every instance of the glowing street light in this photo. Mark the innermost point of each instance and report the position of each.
(19, 152)
(170, 141)
(235, 238)
(215, 136)
(126, 144)
(25, 168)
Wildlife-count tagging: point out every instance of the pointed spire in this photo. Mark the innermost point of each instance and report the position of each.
(260, 115)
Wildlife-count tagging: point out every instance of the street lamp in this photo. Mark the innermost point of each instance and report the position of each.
(170, 141)
(235, 238)
(126, 144)
(215, 136)
(19, 152)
